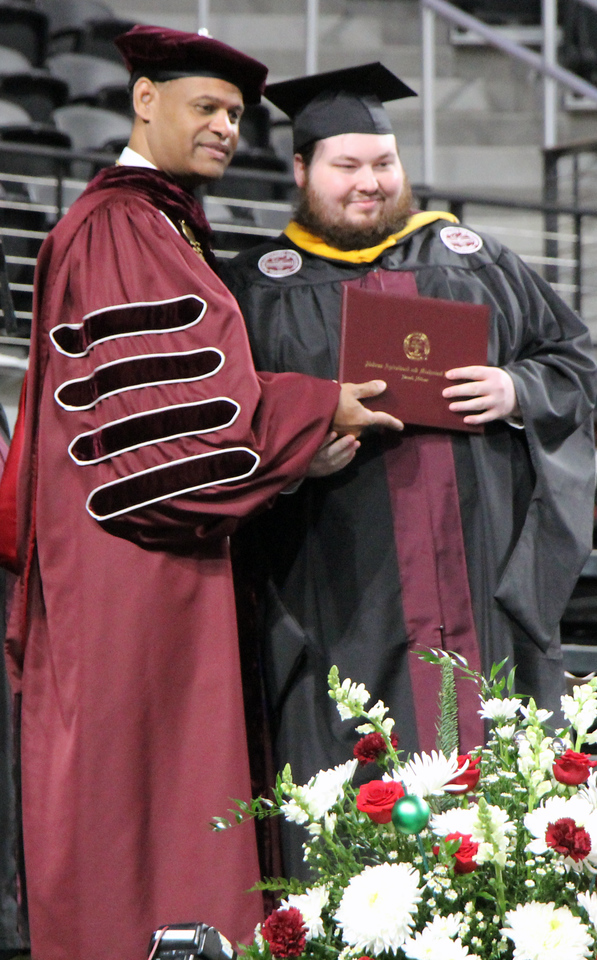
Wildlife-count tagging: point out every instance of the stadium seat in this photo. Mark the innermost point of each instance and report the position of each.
(115, 98)
(67, 18)
(11, 114)
(86, 75)
(13, 61)
(91, 128)
(37, 91)
(25, 28)
(97, 38)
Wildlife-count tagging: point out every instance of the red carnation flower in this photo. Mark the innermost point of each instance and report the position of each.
(468, 779)
(371, 747)
(377, 799)
(573, 768)
(568, 839)
(464, 858)
(285, 931)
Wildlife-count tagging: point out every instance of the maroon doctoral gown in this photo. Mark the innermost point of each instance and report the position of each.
(147, 436)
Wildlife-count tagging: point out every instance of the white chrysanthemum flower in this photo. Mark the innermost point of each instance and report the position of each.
(500, 711)
(577, 808)
(588, 791)
(542, 931)
(589, 902)
(457, 820)
(491, 831)
(326, 787)
(448, 926)
(426, 775)
(313, 801)
(377, 907)
(310, 903)
(257, 937)
(426, 946)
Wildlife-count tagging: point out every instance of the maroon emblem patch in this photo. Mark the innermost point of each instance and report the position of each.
(280, 263)
(461, 239)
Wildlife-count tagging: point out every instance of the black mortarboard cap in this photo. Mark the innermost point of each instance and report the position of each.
(163, 54)
(341, 101)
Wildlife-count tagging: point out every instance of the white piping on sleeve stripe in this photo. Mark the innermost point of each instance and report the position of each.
(154, 440)
(174, 493)
(139, 386)
(133, 333)
(168, 220)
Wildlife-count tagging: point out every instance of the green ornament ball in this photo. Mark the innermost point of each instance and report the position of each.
(410, 814)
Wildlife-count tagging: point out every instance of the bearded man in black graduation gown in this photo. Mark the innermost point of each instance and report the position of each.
(398, 543)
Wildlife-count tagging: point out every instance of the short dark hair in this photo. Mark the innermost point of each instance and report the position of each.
(307, 152)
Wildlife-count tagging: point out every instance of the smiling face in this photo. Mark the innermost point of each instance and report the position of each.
(354, 192)
(187, 127)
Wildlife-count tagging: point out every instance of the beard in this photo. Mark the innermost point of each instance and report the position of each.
(313, 213)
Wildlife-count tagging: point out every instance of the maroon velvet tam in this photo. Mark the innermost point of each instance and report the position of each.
(163, 54)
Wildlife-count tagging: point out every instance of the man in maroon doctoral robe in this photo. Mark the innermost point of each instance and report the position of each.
(147, 435)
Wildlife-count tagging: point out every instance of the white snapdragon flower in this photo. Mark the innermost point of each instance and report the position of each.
(535, 713)
(350, 698)
(542, 931)
(293, 811)
(426, 775)
(310, 903)
(377, 711)
(377, 908)
(580, 709)
(387, 726)
(535, 756)
(500, 711)
(491, 830)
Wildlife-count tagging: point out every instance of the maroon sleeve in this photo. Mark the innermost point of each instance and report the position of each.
(154, 399)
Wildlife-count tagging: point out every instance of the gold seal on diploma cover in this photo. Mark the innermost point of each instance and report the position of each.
(416, 346)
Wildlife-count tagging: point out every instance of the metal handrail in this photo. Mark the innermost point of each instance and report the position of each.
(543, 63)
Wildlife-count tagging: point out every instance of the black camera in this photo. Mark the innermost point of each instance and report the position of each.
(185, 941)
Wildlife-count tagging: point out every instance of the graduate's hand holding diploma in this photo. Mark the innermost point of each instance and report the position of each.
(489, 394)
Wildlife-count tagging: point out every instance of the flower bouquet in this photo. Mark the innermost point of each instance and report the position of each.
(487, 856)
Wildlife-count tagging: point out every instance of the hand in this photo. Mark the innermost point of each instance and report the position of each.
(491, 391)
(334, 454)
(352, 417)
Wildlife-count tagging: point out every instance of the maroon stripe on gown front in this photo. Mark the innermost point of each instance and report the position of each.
(436, 599)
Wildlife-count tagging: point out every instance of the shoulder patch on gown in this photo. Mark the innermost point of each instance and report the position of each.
(280, 263)
(460, 239)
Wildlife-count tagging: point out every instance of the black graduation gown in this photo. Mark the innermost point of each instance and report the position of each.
(332, 555)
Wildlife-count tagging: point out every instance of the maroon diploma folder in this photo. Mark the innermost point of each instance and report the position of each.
(410, 342)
